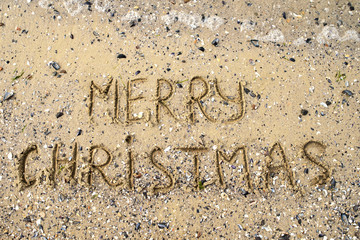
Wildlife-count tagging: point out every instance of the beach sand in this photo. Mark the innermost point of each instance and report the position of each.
(173, 120)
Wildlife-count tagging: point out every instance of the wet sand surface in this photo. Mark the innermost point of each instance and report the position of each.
(174, 120)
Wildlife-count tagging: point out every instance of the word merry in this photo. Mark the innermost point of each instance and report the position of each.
(87, 176)
(161, 99)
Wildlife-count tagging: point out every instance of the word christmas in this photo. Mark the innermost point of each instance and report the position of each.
(71, 165)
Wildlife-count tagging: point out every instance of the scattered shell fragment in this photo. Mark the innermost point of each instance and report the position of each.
(7, 96)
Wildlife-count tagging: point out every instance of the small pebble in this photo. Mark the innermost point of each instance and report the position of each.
(137, 72)
(344, 218)
(59, 114)
(163, 225)
(215, 42)
(304, 112)
(79, 132)
(202, 49)
(347, 92)
(121, 56)
(137, 226)
(252, 94)
(292, 59)
(132, 23)
(55, 65)
(284, 237)
(356, 208)
(333, 183)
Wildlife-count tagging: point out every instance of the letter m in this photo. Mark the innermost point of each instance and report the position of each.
(102, 92)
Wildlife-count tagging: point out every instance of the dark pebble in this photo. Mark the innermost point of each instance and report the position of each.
(244, 192)
(252, 94)
(255, 42)
(257, 238)
(27, 219)
(215, 42)
(321, 235)
(71, 36)
(179, 85)
(328, 103)
(202, 49)
(292, 59)
(333, 183)
(137, 226)
(356, 208)
(59, 114)
(284, 15)
(246, 90)
(79, 132)
(163, 225)
(304, 112)
(344, 218)
(128, 139)
(306, 170)
(347, 92)
(137, 72)
(55, 65)
(54, 74)
(308, 40)
(121, 56)
(132, 23)
(284, 237)
(47, 132)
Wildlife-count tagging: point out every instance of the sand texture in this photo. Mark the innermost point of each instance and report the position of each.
(179, 119)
